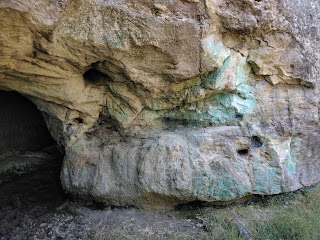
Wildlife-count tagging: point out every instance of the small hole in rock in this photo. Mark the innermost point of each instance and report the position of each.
(78, 120)
(95, 76)
(243, 152)
(239, 116)
(256, 142)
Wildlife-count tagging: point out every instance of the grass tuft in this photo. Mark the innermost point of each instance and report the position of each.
(291, 216)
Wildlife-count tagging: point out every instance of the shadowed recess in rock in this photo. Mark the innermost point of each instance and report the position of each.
(94, 76)
(30, 162)
(22, 126)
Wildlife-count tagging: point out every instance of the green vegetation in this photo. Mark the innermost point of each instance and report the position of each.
(289, 216)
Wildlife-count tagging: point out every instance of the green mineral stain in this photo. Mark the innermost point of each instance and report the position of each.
(214, 79)
(292, 161)
(216, 52)
(291, 165)
(211, 99)
(160, 104)
(218, 183)
(242, 105)
(266, 180)
(173, 100)
(243, 72)
(219, 108)
(218, 49)
(287, 158)
(245, 91)
(268, 172)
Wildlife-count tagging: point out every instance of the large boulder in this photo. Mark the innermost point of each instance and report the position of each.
(159, 103)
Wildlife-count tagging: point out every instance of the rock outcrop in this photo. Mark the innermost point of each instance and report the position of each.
(159, 103)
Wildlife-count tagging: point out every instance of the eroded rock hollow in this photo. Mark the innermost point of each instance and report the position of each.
(159, 103)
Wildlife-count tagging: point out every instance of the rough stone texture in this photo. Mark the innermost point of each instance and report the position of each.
(159, 103)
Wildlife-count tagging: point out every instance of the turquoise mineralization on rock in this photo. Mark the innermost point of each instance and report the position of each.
(159, 103)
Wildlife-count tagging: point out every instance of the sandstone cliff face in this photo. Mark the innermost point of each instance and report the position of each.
(159, 103)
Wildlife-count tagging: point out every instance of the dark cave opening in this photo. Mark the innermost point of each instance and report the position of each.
(30, 161)
(22, 127)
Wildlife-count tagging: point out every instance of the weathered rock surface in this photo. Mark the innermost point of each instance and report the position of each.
(159, 103)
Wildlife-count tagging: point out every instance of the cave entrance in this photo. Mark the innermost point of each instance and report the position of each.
(22, 127)
(30, 161)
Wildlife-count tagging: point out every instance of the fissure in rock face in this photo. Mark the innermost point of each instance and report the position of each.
(159, 103)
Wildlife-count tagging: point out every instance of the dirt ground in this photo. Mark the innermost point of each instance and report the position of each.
(33, 205)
